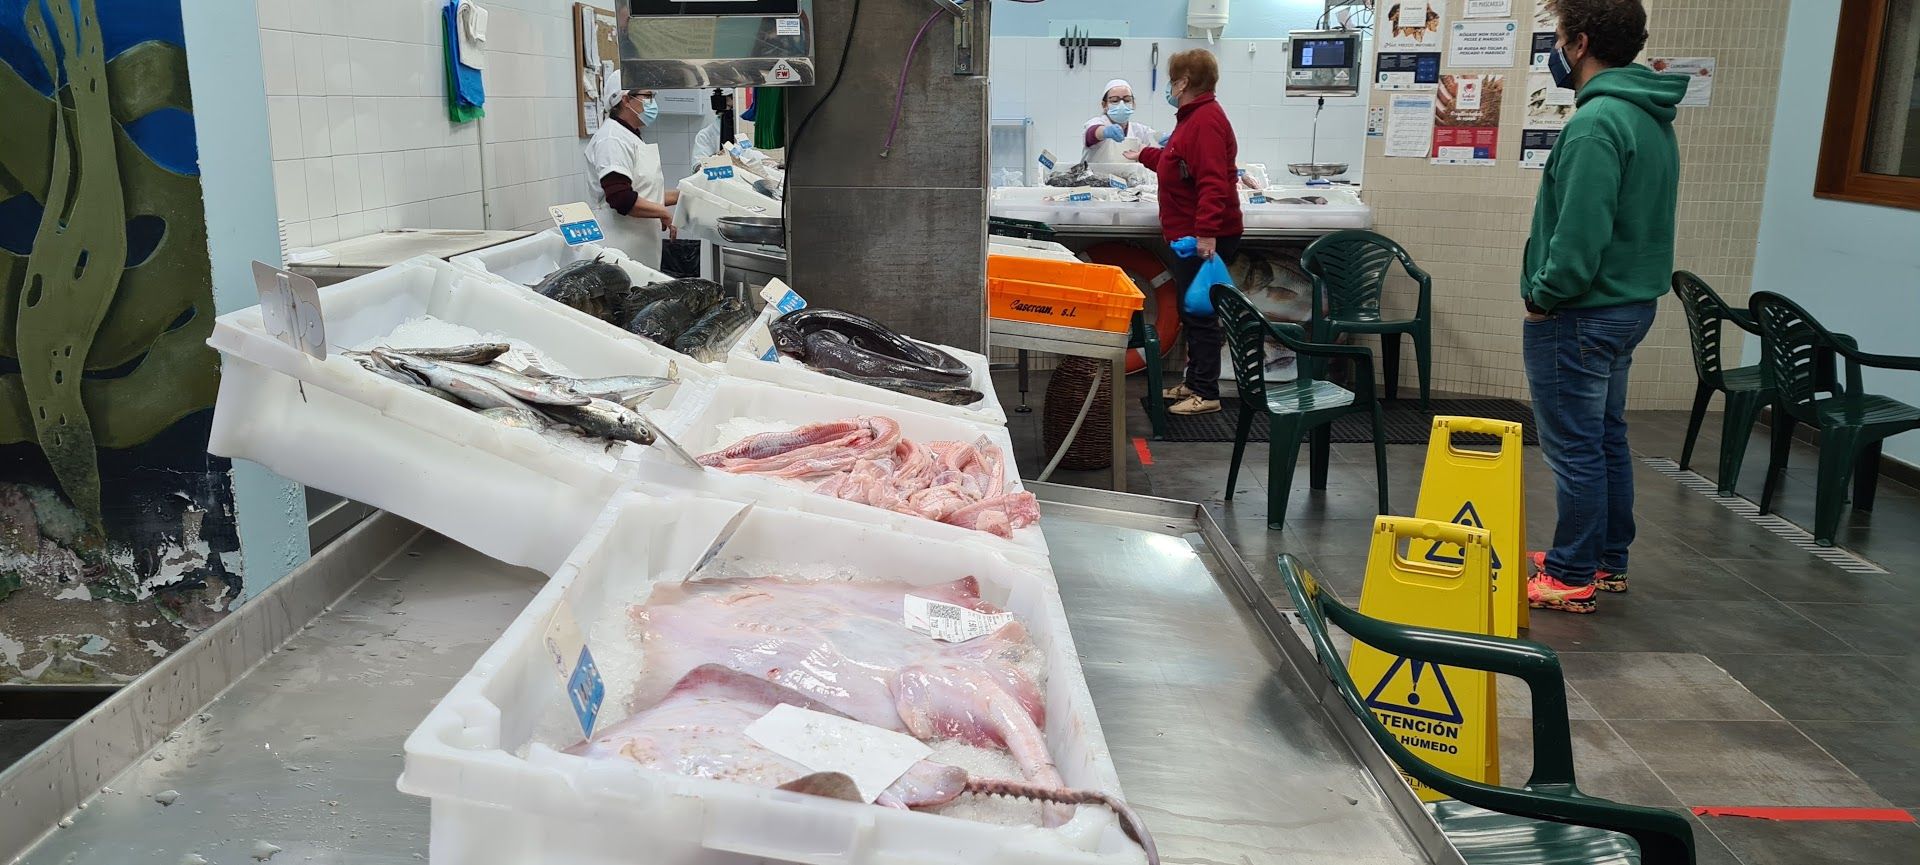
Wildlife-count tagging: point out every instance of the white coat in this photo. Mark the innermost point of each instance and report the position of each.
(615, 149)
(707, 141)
(1109, 151)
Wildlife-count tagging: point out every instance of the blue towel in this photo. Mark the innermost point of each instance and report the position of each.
(468, 87)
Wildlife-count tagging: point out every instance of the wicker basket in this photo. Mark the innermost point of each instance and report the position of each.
(1066, 390)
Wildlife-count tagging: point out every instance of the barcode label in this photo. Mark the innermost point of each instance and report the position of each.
(951, 623)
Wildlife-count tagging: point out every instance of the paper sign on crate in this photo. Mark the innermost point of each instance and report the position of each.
(780, 301)
(576, 223)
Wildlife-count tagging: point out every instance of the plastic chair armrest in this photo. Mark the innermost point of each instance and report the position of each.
(1290, 335)
(1426, 285)
(1849, 348)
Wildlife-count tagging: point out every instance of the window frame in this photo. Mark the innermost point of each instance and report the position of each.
(1843, 141)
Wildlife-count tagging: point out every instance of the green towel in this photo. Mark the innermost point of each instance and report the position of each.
(769, 117)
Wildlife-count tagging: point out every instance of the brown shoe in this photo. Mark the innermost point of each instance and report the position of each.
(1194, 405)
(1176, 393)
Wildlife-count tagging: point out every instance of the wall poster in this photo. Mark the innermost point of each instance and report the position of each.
(1466, 119)
(1409, 37)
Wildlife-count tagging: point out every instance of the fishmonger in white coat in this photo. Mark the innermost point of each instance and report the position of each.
(1113, 132)
(625, 185)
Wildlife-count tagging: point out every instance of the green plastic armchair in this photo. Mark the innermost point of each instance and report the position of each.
(1745, 387)
(1349, 270)
(1797, 358)
(1141, 335)
(1548, 821)
(1307, 405)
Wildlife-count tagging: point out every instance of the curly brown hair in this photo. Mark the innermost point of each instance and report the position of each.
(1616, 30)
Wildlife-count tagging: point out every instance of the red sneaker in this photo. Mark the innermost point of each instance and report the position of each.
(1603, 579)
(1546, 593)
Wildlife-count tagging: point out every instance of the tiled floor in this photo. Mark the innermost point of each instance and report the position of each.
(1739, 671)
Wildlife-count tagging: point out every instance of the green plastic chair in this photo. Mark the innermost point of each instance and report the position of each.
(1797, 357)
(1141, 335)
(1349, 269)
(1745, 387)
(1307, 405)
(1548, 821)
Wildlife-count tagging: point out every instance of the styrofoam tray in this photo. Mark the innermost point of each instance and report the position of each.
(698, 410)
(703, 202)
(491, 807)
(530, 259)
(743, 363)
(1023, 247)
(512, 494)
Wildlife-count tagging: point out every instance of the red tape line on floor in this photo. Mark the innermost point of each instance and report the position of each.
(1140, 447)
(1856, 815)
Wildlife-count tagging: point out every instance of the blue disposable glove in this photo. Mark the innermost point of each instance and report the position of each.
(1113, 132)
(1163, 138)
(1185, 247)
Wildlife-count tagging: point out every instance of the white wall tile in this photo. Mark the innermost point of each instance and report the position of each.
(316, 137)
(336, 65)
(341, 126)
(373, 181)
(283, 127)
(275, 14)
(346, 184)
(309, 64)
(320, 201)
(290, 189)
(325, 230)
(276, 62)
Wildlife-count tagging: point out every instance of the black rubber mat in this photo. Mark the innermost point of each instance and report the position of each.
(1406, 422)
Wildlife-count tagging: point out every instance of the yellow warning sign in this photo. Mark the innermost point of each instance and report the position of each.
(1483, 489)
(1446, 715)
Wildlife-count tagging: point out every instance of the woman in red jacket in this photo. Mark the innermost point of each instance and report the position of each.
(1198, 199)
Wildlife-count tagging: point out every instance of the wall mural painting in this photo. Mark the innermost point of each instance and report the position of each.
(117, 538)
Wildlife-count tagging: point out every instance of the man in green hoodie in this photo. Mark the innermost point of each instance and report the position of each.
(1599, 256)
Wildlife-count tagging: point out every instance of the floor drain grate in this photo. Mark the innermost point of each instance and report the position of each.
(1839, 557)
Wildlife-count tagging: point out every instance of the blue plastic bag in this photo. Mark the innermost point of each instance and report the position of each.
(1198, 299)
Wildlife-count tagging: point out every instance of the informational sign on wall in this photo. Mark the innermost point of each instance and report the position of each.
(1487, 44)
(1548, 109)
(1410, 125)
(1409, 44)
(1699, 73)
(1546, 28)
(1466, 119)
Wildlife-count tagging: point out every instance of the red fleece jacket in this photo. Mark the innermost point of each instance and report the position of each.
(1197, 173)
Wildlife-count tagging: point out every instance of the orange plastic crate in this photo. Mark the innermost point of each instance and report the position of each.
(1064, 293)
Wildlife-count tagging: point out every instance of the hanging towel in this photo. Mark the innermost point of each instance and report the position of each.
(462, 83)
(473, 35)
(769, 118)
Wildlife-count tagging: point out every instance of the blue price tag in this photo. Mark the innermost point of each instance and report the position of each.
(789, 302)
(586, 691)
(721, 173)
(1117, 183)
(1080, 196)
(1046, 160)
(576, 233)
(1259, 199)
(771, 355)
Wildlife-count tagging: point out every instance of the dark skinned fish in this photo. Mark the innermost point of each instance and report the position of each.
(590, 285)
(828, 350)
(665, 319)
(636, 298)
(949, 394)
(710, 337)
(922, 363)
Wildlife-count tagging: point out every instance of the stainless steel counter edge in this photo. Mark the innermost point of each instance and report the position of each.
(47, 784)
(1307, 679)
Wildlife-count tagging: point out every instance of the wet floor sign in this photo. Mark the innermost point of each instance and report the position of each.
(1482, 489)
(1445, 715)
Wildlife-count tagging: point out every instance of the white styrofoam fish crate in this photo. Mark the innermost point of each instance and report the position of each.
(530, 259)
(510, 493)
(704, 202)
(699, 409)
(742, 362)
(1021, 247)
(489, 755)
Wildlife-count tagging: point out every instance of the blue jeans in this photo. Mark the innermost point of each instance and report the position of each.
(1577, 362)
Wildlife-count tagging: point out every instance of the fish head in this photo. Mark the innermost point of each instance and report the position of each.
(788, 340)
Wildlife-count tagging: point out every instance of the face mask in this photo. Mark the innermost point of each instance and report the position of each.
(1557, 66)
(649, 110)
(1120, 113)
(1171, 99)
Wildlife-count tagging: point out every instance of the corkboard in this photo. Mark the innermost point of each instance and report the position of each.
(596, 51)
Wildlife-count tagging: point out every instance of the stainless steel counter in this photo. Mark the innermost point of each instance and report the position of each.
(1219, 743)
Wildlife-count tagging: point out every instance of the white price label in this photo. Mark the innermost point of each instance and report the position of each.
(950, 623)
(874, 758)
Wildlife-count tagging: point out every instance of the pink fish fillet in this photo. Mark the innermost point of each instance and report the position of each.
(764, 445)
(699, 730)
(844, 644)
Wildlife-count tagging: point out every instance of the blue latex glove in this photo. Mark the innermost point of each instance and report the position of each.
(1164, 136)
(1113, 132)
(1185, 247)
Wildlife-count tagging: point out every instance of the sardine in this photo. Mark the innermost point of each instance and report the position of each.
(949, 394)
(710, 337)
(472, 390)
(477, 353)
(518, 418)
(548, 391)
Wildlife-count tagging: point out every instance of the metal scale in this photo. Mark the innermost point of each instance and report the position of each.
(1322, 63)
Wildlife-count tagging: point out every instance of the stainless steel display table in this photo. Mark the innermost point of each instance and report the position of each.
(285, 722)
(1076, 342)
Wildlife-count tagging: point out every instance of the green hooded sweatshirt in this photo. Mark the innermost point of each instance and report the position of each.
(1603, 222)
